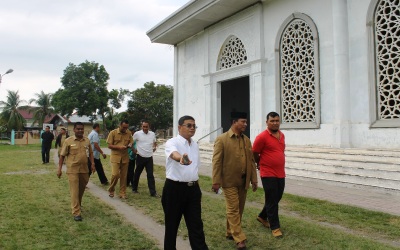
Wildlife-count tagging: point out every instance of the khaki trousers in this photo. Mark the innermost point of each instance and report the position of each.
(77, 185)
(235, 199)
(118, 171)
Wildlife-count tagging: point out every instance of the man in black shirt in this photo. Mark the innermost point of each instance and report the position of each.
(47, 138)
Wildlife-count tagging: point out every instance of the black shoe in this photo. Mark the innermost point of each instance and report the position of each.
(43, 162)
(135, 191)
(105, 184)
(155, 195)
(230, 237)
(78, 218)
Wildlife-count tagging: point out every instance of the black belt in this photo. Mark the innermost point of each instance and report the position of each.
(189, 184)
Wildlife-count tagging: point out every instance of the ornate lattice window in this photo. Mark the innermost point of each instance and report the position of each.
(387, 52)
(299, 78)
(232, 54)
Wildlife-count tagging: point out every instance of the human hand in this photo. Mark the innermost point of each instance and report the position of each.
(93, 168)
(185, 160)
(59, 173)
(254, 186)
(104, 156)
(215, 187)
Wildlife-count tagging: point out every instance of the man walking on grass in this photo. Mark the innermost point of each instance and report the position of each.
(233, 170)
(146, 144)
(77, 152)
(269, 153)
(181, 193)
(119, 140)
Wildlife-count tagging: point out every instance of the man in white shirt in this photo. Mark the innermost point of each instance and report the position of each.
(181, 194)
(146, 144)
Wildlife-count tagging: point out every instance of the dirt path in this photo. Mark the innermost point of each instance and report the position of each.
(140, 221)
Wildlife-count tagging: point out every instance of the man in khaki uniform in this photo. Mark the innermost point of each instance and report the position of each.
(233, 169)
(119, 140)
(77, 151)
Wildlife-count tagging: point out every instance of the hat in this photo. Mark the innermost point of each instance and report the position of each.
(238, 115)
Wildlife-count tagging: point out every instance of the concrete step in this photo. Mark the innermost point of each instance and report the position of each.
(350, 166)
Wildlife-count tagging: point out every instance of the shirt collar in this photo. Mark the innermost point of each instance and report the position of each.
(231, 134)
(183, 140)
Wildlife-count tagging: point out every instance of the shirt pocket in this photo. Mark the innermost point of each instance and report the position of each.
(73, 150)
(117, 139)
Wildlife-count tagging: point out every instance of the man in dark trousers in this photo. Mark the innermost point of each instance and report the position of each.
(47, 138)
(181, 193)
(269, 153)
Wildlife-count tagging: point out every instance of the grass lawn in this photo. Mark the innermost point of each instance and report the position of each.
(36, 215)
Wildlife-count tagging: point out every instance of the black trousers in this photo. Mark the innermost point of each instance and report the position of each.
(131, 172)
(99, 169)
(142, 163)
(46, 153)
(180, 199)
(273, 190)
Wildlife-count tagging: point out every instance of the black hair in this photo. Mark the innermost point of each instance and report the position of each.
(272, 115)
(124, 121)
(47, 126)
(95, 125)
(184, 118)
(78, 123)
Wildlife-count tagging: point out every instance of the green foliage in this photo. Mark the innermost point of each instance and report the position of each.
(153, 103)
(43, 109)
(9, 115)
(84, 90)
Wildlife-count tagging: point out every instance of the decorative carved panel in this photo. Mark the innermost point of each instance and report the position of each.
(297, 68)
(233, 54)
(387, 52)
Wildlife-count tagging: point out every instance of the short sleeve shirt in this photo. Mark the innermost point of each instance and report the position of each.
(116, 137)
(144, 143)
(76, 152)
(174, 170)
(272, 154)
(94, 137)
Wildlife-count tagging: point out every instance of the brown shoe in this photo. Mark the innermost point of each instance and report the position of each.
(123, 197)
(241, 245)
(262, 221)
(111, 194)
(277, 233)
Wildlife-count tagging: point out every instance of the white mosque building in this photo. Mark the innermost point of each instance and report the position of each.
(330, 68)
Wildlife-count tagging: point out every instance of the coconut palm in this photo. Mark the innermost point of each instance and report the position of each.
(9, 111)
(43, 107)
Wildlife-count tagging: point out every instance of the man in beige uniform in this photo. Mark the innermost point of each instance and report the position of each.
(119, 140)
(77, 150)
(233, 169)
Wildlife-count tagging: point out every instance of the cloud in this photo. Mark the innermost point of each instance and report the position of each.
(40, 38)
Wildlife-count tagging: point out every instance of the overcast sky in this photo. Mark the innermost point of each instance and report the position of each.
(39, 38)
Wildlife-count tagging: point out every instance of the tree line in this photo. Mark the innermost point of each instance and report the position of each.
(84, 91)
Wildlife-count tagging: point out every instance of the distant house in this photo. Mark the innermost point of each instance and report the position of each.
(59, 121)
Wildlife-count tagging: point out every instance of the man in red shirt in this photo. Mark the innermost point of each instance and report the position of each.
(269, 154)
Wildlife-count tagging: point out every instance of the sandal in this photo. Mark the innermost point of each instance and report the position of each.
(111, 195)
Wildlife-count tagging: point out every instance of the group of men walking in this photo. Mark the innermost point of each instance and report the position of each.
(235, 162)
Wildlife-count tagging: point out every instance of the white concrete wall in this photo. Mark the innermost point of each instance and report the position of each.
(197, 77)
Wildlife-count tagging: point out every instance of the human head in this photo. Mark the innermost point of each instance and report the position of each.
(273, 121)
(96, 127)
(63, 130)
(145, 126)
(79, 129)
(123, 126)
(239, 122)
(47, 129)
(186, 126)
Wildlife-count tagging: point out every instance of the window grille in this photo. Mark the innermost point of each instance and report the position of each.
(233, 54)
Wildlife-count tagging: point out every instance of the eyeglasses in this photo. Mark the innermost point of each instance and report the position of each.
(189, 125)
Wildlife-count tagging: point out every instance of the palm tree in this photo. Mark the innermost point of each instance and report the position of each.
(10, 114)
(43, 108)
